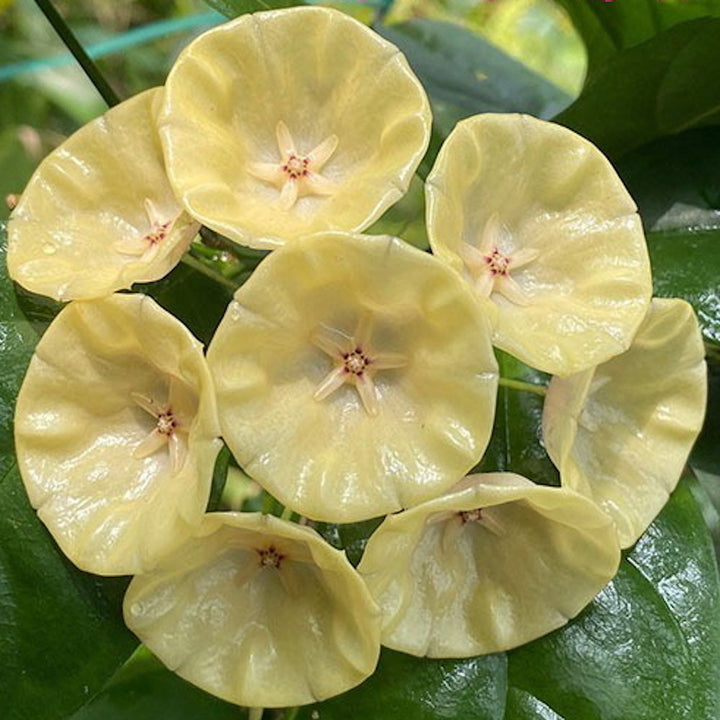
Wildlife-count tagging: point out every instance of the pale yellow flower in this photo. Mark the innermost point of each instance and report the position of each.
(355, 376)
(540, 225)
(621, 433)
(116, 433)
(496, 562)
(284, 123)
(258, 611)
(98, 214)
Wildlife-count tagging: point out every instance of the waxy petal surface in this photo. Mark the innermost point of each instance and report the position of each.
(94, 466)
(621, 433)
(258, 611)
(98, 214)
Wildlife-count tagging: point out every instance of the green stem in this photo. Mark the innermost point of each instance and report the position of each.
(72, 44)
(520, 385)
(190, 261)
(286, 514)
(291, 713)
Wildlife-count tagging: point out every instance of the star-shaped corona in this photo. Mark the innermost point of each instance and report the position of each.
(355, 361)
(297, 174)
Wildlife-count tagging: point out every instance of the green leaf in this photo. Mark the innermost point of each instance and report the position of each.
(675, 181)
(234, 8)
(144, 689)
(61, 630)
(706, 453)
(421, 689)
(516, 442)
(194, 299)
(686, 264)
(610, 27)
(465, 75)
(647, 647)
(662, 86)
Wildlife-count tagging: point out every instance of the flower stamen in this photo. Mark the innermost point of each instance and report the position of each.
(164, 433)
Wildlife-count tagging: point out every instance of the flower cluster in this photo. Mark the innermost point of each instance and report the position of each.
(353, 376)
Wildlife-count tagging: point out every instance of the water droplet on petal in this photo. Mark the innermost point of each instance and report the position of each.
(49, 249)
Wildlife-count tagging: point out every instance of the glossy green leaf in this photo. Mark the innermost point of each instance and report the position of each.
(61, 630)
(465, 75)
(647, 647)
(234, 8)
(675, 181)
(706, 453)
(686, 264)
(195, 299)
(516, 442)
(421, 689)
(612, 26)
(144, 689)
(662, 86)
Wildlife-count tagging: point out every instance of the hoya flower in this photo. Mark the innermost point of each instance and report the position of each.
(98, 214)
(621, 433)
(540, 225)
(258, 611)
(116, 432)
(284, 123)
(354, 376)
(494, 563)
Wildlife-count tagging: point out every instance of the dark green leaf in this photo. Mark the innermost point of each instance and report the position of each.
(144, 689)
(706, 453)
(465, 75)
(660, 87)
(609, 27)
(195, 299)
(61, 630)
(675, 181)
(686, 264)
(420, 689)
(648, 647)
(234, 8)
(516, 443)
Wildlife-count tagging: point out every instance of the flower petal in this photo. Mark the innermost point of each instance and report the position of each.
(258, 636)
(361, 451)
(85, 432)
(234, 92)
(621, 432)
(77, 232)
(533, 559)
(530, 184)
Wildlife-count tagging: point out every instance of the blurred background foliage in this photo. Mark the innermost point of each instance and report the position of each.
(45, 96)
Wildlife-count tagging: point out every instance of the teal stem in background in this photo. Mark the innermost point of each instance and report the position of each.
(136, 36)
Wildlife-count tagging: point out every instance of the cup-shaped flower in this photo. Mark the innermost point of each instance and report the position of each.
(98, 214)
(537, 220)
(258, 611)
(494, 563)
(354, 376)
(621, 433)
(116, 432)
(284, 123)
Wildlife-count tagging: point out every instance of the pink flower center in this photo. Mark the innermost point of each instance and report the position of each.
(270, 557)
(296, 167)
(498, 263)
(356, 361)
